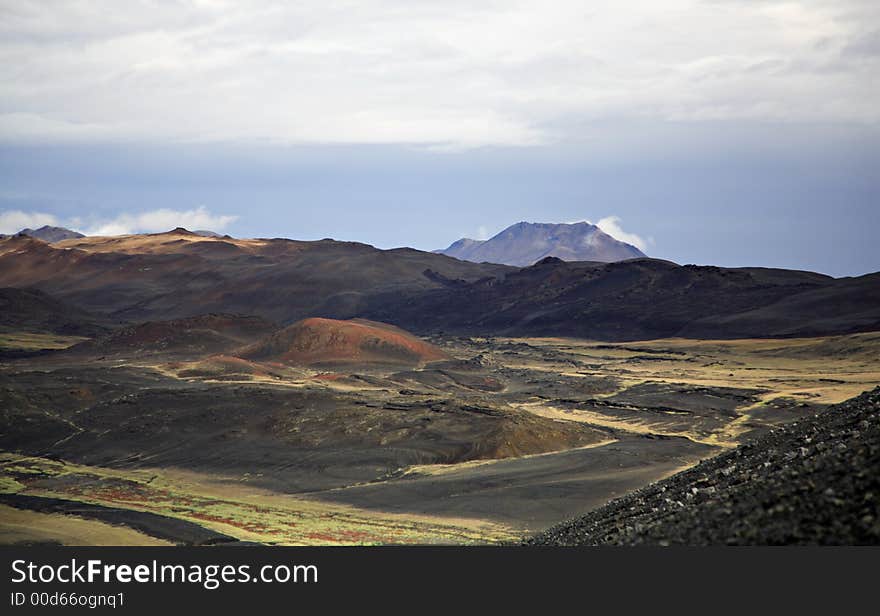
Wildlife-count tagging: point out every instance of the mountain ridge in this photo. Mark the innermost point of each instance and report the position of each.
(641, 299)
(179, 274)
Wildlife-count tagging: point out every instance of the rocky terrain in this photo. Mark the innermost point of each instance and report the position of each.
(816, 481)
(483, 439)
(329, 392)
(525, 243)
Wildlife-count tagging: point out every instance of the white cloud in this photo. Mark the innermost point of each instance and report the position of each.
(156, 221)
(450, 75)
(13, 221)
(611, 226)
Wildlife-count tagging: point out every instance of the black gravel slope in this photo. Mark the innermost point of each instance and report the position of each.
(816, 481)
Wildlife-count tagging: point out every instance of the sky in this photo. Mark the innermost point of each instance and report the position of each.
(727, 132)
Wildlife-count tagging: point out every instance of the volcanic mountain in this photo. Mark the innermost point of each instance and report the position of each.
(527, 242)
(329, 341)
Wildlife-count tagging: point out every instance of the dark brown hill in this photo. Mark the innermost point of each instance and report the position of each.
(30, 310)
(643, 299)
(180, 274)
(192, 336)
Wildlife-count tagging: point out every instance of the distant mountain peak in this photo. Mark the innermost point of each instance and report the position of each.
(525, 243)
(50, 234)
(185, 231)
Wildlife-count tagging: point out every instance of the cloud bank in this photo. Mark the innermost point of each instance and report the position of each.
(154, 221)
(450, 75)
(13, 221)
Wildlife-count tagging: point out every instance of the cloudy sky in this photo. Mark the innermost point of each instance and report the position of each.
(735, 132)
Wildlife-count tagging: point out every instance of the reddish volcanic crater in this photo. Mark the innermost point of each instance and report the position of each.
(329, 341)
